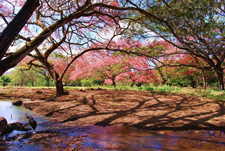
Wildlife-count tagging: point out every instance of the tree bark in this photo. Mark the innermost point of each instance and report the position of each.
(59, 88)
(102, 81)
(163, 81)
(132, 84)
(55, 76)
(48, 81)
(16, 57)
(22, 83)
(58, 81)
(14, 27)
(220, 76)
(114, 83)
(162, 78)
(197, 83)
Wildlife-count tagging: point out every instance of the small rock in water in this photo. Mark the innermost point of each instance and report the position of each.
(17, 103)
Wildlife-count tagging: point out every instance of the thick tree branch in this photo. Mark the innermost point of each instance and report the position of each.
(14, 27)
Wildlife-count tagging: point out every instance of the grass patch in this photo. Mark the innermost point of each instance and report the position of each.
(212, 94)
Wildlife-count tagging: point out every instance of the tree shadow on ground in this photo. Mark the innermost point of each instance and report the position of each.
(156, 113)
(55, 111)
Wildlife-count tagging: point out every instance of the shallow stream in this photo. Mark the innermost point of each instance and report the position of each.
(112, 137)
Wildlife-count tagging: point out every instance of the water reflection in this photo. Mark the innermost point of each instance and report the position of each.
(12, 113)
(18, 114)
(121, 138)
(115, 137)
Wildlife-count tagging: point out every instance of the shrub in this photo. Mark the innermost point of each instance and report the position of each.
(86, 83)
(97, 82)
(149, 89)
(78, 82)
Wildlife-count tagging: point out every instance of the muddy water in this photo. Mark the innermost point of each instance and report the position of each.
(114, 137)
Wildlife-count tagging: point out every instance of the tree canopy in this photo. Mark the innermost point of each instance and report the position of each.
(194, 27)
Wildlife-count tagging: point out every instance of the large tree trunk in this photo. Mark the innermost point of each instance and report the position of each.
(14, 27)
(55, 76)
(58, 84)
(59, 88)
(220, 76)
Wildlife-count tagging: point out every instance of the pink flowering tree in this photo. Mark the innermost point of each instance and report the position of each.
(139, 72)
(69, 28)
(70, 36)
(112, 67)
(104, 65)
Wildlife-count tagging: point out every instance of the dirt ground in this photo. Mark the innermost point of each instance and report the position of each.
(139, 109)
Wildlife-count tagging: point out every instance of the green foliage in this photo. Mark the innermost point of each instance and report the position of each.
(86, 83)
(5, 79)
(97, 82)
(182, 80)
(149, 89)
(195, 27)
(78, 82)
(161, 89)
(32, 77)
(215, 84)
